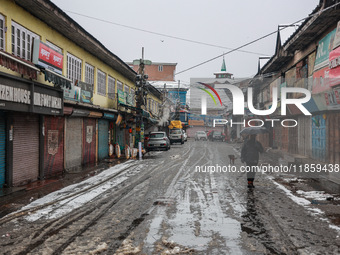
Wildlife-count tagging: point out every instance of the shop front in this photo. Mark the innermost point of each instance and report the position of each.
(23, 106)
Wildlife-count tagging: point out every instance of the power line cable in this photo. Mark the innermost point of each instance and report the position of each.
(258, 39)
(161, 34)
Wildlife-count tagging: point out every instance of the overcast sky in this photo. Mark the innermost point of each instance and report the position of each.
(224, 23)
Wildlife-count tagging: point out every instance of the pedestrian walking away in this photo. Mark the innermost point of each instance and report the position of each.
(250, 154)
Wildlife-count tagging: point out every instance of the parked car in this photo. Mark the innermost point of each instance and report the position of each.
(185, 135)
(176, 136)
(201, 135)
(217, 136)
(157, 141)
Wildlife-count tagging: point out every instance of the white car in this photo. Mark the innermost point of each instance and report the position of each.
(201, 135)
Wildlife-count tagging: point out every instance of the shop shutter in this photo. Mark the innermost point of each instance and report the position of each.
(120, 137)
(293, 139)
(73, 143)
(103, 139)
(53, 146)
(89, 141)
(333, 138)
(2, 150)
(25, 148)
(319, 137)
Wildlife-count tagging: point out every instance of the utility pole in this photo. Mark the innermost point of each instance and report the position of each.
(140, 101)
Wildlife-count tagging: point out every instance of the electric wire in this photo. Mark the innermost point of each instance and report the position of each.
(161, 34)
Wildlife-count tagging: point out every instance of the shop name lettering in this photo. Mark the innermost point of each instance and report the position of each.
(238, 105)
(23, 96)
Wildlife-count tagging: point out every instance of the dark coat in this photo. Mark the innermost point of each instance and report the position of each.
(250, 151)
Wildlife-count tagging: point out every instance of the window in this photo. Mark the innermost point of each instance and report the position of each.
(133, 93)
(2, 32)
(160, 68)
(89, 74)
(126, 89)
(101, 83)
(111, 87)
(54, 47)
(119, 85)
(73, 68)
(22, 40)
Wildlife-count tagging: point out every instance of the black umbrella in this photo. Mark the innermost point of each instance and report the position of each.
(253, 130)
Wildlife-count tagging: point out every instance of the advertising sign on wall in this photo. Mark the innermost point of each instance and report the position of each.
(73, 93)
(321, 80)
(46, 57)
(121, 97)
(86, 93)
(324, 47)
(18, 96)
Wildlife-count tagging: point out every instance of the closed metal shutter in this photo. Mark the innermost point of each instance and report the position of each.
(89, 141)
(25, 148)
(333, 138)
(53, 146)
(2, 150)
(305, 137)
(319, 137)
(103, 139)
(73, 143)
(293, 139)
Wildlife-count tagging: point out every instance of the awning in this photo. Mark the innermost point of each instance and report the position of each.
(310, 106)
(95, 114)
(18, 65)
(129, 107)
(56, 79)
(68, 110)
(80, 113)
(109, 116)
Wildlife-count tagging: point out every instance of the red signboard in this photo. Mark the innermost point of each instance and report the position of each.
(45, 56)
(334, 67)
(321, 81)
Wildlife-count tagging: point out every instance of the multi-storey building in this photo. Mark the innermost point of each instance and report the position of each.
(64, 96)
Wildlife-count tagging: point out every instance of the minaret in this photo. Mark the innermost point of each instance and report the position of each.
(223, 68)
(223, 73)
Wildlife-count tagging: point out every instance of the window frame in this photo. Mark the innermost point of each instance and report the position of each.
(120, 85)
(111, 87)
(160, 68)
(22, 41)
(74, 73)
(89, 74)
(101, 82)
(2, 33)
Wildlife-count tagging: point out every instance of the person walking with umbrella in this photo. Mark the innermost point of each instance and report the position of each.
(250, 153)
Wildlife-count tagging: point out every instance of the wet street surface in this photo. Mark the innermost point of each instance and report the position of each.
(164, 205)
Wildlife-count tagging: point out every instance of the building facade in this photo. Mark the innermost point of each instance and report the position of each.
(309, 60)
(65, 98)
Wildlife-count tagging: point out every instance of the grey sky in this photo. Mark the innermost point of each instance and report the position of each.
(219, 22)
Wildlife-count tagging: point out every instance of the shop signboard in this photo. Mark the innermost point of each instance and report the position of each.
(336, 42)
(121, 97)
(86, 92)
(46, 57)
(322, 54)
(129, 99)
(73, 93)
(321, 80)
(334, 67)
(17, 95)
(332, 99)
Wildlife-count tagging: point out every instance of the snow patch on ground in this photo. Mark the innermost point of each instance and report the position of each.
(306, 203)
(65, 206)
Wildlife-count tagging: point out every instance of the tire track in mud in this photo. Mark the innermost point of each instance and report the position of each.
(49, 234)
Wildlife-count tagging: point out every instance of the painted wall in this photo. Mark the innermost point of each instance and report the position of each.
(13, 12)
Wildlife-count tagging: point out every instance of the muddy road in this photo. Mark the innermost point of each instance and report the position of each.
(169, 203)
